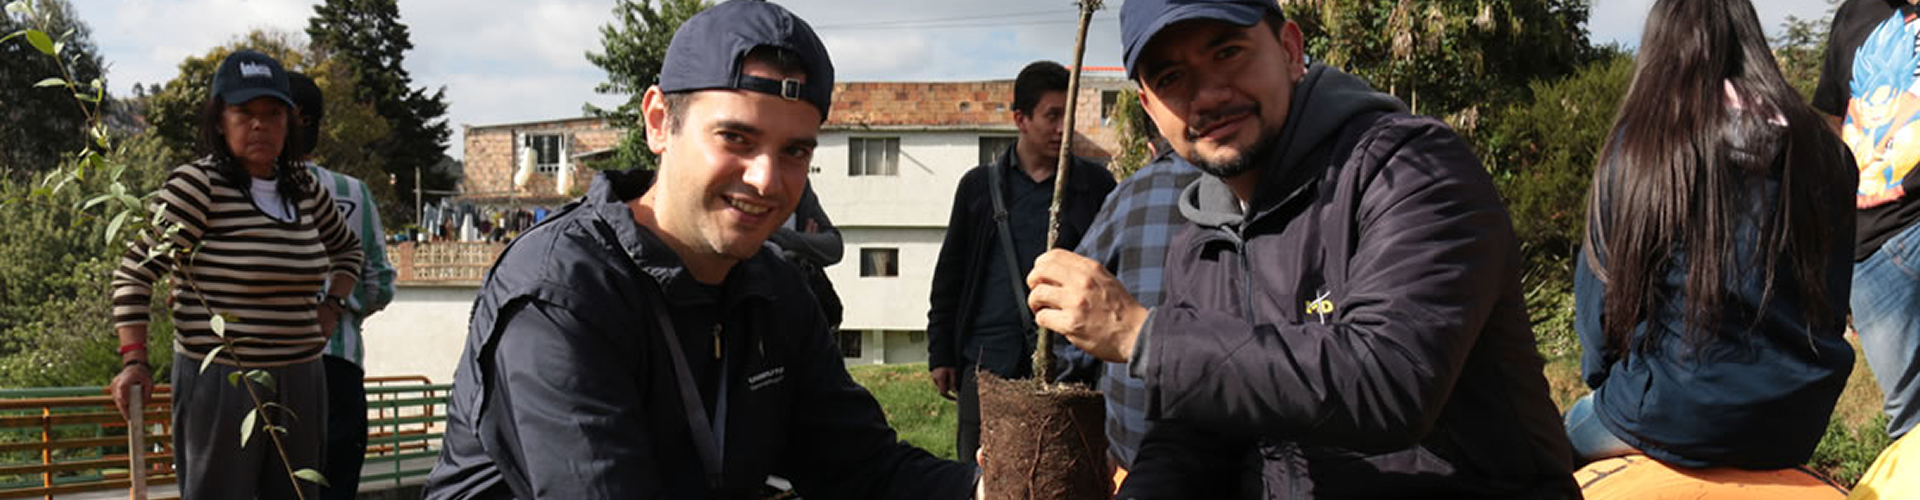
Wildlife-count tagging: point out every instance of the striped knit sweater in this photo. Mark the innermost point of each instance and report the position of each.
(265, 274)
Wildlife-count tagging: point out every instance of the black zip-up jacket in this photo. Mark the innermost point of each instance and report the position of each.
(971, 234)
(566, 389)
(1358, 333)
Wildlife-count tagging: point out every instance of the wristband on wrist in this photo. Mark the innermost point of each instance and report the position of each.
(141, 362)
(132, 347)
(337, 301)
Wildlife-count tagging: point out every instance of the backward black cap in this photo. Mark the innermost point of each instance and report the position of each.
(708, 49)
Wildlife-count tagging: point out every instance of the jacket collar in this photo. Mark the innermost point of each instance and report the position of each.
(606, 201)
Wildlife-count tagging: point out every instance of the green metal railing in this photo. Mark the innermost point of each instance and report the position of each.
(407, 417)
(56, 441)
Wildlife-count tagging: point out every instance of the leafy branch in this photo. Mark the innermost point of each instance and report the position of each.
(125, 209)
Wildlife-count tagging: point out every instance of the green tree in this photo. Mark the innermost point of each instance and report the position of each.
(1802, 48)
(1130, 122)
(633, 48)
(1543, 152)
(1456, 59)
(369, 37)
(55, 266)
(38, 124)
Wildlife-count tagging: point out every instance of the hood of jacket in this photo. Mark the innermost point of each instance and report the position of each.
(1322, 103)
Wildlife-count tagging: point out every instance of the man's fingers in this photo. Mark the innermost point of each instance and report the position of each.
(1067, 260)
(1052, 267)
(1043, 297)
(1057, 321)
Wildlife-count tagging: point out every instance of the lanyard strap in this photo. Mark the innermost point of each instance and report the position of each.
(710, 447)
(1019, 286)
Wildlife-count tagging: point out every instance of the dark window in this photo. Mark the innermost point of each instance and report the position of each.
(1108, 99)
(850, 343)
(992, 146)
(546, 152)
(873, 156)
(879, 262)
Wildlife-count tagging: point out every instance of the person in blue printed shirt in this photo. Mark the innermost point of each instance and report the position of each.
(346, 390)
(1868, 89)
(1129, 237)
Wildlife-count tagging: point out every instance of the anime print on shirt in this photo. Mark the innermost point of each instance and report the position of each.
(1882, 124)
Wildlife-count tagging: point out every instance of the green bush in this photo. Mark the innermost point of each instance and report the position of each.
(1541, 154)
(56, 327)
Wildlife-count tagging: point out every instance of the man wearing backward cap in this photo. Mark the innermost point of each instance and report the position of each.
(642, 344)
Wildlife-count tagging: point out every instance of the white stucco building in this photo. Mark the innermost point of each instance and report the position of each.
(890, 156)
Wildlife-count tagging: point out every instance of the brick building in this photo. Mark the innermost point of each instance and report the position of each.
(494, 153)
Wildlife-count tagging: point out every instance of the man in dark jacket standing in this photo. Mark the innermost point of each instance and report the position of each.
(644, 344)
(1343, 316)
(977, 316)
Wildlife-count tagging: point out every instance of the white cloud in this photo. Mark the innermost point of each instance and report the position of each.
(145, 40)
(876, 54)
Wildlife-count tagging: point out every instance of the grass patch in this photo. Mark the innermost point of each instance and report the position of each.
(913, 408)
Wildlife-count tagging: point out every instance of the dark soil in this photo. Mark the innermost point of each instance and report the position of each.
(1043, 441)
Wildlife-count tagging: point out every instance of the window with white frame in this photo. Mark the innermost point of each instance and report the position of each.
(991, 146)
(546, 150)
(873, 156)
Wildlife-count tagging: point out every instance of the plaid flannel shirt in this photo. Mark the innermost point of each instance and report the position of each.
(1130, 237)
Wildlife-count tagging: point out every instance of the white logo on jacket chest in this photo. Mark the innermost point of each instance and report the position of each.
(766, 378)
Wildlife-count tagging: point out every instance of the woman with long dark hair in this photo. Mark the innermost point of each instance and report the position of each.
(1711, 296)
(259, 239)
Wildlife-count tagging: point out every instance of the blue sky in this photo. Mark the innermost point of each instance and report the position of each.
(507, 61)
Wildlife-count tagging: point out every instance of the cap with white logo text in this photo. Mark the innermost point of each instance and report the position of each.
(247, 75)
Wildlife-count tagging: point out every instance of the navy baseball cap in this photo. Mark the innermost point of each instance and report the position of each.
(707, 52)
(247, 75)
(1140, 20)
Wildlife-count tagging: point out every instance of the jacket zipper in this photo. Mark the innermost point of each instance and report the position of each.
(1246, 274)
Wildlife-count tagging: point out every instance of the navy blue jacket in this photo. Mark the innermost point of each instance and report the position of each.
(1758, 395)
(566, 389)
(1359, 332)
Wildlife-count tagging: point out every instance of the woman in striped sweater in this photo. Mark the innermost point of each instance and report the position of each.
(256, 240)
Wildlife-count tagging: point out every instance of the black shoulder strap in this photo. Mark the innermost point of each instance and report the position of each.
(1006, 243)
(710, 448)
